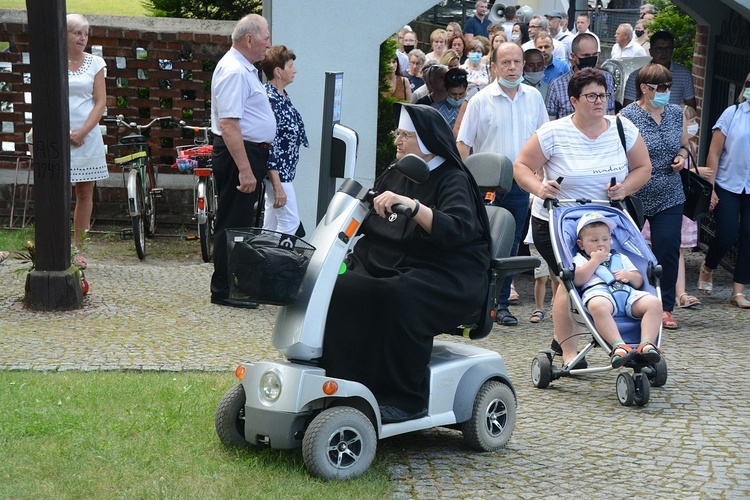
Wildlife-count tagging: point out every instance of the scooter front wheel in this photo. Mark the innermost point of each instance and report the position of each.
(493, 417)
(230, 417)
(339, 443)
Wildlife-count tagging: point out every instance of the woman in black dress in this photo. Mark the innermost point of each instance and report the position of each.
(410, 278)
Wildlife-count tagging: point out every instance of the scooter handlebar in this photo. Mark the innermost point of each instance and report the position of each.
(400, 209)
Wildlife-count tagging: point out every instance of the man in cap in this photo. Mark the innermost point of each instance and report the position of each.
(555, 19)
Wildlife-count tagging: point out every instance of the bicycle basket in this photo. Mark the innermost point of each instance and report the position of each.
(266, 266)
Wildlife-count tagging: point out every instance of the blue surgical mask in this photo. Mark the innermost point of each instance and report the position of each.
(660, 99)
(475, 57)
(454, 103)
(747, 94)
(507, 83)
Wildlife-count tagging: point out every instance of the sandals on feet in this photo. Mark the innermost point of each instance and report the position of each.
(648, 352)
(668, 322)
(537, 316)
(513, 297)
(4, 255)
(621, 354)
(685, 300)
(739, 300)
(705, 280)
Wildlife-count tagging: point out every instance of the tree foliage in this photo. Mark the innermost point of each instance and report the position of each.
(385, 151)
(223, 10)
(672, 19)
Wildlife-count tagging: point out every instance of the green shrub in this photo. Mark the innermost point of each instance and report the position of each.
(674, 20)
(226, 10)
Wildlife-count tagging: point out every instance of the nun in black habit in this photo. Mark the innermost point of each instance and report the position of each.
(410, 278)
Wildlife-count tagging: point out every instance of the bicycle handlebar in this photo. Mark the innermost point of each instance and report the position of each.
(120, 120)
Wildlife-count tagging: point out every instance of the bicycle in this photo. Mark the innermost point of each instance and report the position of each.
(133, 155)
(197, 157)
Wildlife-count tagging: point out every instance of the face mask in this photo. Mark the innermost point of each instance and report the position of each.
(533, 77)
(692, 129)
(507, 83)
(475, 57)
(660, 99)
(747, 94)
(639, 33)
(454, 103)
(408, 48)
(514, 38)
(587, 62)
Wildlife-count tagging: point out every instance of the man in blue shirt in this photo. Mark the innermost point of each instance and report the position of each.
(477, 25)
(553, 67)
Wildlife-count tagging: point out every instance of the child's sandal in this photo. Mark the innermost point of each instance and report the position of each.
(621, 354)
(648, 352)
(537, 316)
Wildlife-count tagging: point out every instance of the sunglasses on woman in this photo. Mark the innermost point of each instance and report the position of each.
(661, 87)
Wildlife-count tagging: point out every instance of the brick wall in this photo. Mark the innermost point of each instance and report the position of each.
(155, 67)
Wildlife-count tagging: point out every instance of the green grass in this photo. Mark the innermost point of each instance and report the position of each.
(142, 435)
(105, 7)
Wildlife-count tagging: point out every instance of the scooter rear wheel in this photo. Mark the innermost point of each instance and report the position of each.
(493, 417)
(339, 443)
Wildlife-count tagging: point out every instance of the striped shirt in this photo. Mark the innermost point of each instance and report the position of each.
(495, 123)
(587, 165)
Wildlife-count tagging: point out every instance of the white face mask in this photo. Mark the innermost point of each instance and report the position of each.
(692, 129)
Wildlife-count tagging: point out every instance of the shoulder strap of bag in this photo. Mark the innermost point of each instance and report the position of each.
(621, 132)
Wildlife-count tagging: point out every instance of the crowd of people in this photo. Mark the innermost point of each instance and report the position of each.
(659, 105)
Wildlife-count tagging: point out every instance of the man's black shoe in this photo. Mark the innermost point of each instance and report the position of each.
(505, 318)
(234, 303)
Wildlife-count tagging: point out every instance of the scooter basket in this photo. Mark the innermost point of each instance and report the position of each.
(266, 266)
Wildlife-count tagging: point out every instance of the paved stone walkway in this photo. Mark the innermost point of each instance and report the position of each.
(572, 440)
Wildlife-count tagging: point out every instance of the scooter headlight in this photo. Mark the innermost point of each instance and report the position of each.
(270, 386)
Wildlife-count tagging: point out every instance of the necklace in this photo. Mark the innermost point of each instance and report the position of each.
(71, 61)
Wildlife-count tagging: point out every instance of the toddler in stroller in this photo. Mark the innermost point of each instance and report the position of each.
(611, 279)
(609, 284)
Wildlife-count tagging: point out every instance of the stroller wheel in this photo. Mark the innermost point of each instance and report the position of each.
(642, 389)
(541, 371)
(625, 388)
(659, 378)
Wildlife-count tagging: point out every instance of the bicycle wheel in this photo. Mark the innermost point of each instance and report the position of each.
(135, 193)
(206, 229)
(150, 202)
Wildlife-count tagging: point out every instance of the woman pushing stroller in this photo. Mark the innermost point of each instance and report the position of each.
(609, 284)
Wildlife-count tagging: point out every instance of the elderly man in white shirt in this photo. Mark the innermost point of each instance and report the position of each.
(244, 127)
(500, 118)
(626, 46)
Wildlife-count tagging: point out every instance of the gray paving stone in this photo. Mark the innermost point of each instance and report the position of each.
(572, 440)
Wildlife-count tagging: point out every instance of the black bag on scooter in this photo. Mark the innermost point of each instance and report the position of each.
(266, 266)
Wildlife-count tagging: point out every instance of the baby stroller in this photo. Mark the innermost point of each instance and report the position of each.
(628, 240)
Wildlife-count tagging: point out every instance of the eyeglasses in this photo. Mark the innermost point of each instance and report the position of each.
(534, 27)
(593, 97)
(662, 87)
(400, 134)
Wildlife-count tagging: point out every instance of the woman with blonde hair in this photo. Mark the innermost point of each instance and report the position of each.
(437, 42)
(451, 59)
(730, 172)
(87, 100)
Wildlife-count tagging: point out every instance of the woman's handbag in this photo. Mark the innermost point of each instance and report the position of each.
(697, 192)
